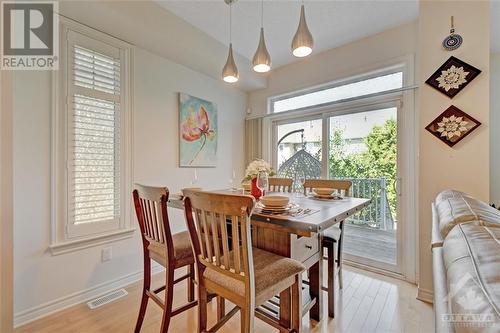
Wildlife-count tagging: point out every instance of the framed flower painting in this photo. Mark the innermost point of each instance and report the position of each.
(453, 76)
(198, 132)
(452, 126)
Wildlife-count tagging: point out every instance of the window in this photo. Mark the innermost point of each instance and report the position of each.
(92, 162)
(338, 93)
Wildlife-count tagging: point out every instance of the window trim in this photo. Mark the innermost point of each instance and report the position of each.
(338, 83)
(61, 240)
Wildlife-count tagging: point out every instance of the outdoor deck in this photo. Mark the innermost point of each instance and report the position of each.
(370, 243)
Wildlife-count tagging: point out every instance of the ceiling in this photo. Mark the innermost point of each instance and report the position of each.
(332, 23)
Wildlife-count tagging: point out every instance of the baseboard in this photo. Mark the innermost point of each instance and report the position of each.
(425, 295)
(43, 310)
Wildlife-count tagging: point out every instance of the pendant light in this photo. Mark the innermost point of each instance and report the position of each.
(261, 60)
(302, 42)
(230, 71)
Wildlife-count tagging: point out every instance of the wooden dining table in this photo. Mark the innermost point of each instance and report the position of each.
(298, 236)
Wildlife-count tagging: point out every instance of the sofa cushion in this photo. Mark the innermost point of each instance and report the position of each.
(447, 194)
(471, 256)
(459, 209)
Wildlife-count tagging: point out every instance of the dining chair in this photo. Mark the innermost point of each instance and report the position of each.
(170, 251)
(277, 184)
(228, 265)
(333, 236)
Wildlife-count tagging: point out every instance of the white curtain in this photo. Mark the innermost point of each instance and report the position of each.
(253, 139)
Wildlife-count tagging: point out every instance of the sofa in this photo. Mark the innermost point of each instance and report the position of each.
(466, 264)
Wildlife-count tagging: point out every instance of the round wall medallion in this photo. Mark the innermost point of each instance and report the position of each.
(452, 42)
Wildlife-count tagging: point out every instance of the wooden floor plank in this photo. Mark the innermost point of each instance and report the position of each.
(366, 297)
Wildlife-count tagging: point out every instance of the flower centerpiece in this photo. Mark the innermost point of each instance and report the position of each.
(253, 170)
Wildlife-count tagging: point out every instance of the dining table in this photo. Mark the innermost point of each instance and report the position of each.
(296, 234)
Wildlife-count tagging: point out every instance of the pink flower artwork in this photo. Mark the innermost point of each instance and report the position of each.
(198, 132)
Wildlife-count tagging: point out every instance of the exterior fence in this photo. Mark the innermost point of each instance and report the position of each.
(378, 215)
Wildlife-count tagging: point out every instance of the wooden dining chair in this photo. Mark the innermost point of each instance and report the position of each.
(333, 236)
(343, 186)
(170, 251)
(280, 184)
(228, 265)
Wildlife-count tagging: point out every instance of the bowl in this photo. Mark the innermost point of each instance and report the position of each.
(324, 191)
(274, 201)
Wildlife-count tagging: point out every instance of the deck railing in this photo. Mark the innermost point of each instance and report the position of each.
(378, 214)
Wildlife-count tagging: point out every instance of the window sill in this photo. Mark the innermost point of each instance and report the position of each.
(79, 244)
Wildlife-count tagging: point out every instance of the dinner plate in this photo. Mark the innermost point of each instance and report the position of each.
(274, 210)
(327, 197)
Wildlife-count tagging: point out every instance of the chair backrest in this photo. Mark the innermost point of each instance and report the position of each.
(219, 224)
(344, 186)
(280, 184)
(151, 209)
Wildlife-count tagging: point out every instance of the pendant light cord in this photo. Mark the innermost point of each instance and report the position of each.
(230, 22)
(262, 14)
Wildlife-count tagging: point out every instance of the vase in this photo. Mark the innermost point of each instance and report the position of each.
(254, 190)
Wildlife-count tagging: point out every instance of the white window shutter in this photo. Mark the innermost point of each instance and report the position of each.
(94, 137)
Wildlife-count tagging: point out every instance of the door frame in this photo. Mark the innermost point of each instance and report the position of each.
(407, 155)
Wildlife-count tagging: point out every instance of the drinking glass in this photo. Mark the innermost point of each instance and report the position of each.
(302, 180)
(232, 182)
(194, 180)
(263, 182)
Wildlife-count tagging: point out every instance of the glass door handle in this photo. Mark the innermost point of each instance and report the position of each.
(396, 186)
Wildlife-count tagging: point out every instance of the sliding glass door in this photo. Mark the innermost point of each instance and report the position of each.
(361, 145)
(363, 148)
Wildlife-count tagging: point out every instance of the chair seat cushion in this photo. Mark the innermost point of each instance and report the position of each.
(332, 234)
(273, 274)
(183, 252)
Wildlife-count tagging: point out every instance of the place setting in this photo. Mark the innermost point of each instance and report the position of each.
(280, 205)
(324, 194)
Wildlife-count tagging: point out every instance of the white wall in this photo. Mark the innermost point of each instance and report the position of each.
(495, 128)
(6, 204)
(152, 27)
(348, 60)
(42, 279)
(464, 167)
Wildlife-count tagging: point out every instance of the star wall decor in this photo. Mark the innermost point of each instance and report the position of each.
(452, 126)
(453, 76)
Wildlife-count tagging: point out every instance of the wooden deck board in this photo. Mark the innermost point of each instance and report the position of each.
(369, 243)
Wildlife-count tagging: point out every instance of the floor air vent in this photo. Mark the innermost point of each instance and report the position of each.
(108, 298)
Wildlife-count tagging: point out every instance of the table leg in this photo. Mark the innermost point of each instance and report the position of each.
(315, 277)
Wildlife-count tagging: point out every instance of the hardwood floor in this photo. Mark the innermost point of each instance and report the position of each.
(368, 303)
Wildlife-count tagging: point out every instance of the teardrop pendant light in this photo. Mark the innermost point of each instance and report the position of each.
(302, 42)
(261, 60)
(230, 71)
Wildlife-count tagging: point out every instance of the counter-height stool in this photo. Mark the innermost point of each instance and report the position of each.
(332, 237)
(280, 184)
(170, 251)
(228, 265)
